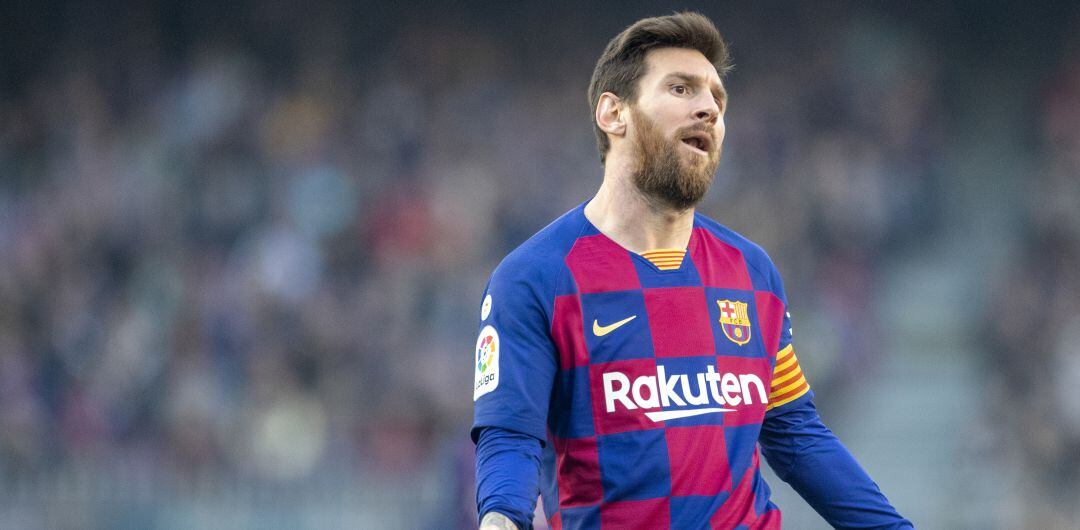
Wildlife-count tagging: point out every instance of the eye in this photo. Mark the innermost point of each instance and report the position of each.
(680, 90)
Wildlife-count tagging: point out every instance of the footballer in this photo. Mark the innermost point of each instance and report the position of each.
(635, 355)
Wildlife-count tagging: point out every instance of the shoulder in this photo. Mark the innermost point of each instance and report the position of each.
(537, 267)
(762, 270)
(545, 251)
(542, 256)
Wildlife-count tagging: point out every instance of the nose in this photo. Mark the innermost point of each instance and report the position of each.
(708, 111)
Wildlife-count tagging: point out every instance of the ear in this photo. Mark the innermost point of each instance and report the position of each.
(611, 114)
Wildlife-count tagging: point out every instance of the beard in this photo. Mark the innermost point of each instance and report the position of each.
(662, 174)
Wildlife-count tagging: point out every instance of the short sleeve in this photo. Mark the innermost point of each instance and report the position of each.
(515, 359)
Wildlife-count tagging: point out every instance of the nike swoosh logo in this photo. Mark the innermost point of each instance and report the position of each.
(600, 331)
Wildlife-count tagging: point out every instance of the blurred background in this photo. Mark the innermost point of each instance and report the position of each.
(243, 244)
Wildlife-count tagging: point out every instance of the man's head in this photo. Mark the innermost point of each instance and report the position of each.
(658, 99)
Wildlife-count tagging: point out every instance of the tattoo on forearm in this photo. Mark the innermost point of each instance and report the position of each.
(497, 521)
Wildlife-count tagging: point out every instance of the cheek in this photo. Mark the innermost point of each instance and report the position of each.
(721, 129)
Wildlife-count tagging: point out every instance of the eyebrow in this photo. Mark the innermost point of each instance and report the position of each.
(695, 79)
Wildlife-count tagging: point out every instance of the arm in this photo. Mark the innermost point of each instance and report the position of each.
(507, 478)
(808, 456)
(515, 366)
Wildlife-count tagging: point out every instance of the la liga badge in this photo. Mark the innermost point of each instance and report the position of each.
(487, 362)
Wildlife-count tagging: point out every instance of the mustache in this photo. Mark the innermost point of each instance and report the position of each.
(696, 128)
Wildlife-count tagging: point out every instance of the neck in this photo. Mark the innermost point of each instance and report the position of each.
(636, 222)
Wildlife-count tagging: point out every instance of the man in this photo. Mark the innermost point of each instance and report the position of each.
(633, 355)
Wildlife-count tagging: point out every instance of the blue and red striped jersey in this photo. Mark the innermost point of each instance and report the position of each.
(648, 380)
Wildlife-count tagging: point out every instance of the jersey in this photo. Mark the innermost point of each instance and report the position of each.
(647, 384)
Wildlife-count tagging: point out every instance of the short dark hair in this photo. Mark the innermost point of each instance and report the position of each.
(623, 61)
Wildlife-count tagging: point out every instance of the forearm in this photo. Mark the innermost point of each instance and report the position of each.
(507, 478)
(809, 457)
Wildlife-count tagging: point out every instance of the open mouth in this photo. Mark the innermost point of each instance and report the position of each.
(699, 142)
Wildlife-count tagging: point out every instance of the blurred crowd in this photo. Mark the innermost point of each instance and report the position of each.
(1033, 320)
(253, 245)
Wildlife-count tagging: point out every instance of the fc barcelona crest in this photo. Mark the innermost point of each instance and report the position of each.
(735, 321)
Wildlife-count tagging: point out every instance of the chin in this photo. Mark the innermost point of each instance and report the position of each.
(699, 169)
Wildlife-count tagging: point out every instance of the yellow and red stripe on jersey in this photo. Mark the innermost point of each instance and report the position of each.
(665, 259)
(788, 383)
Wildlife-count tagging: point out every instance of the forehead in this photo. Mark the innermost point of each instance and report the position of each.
(660, 62)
